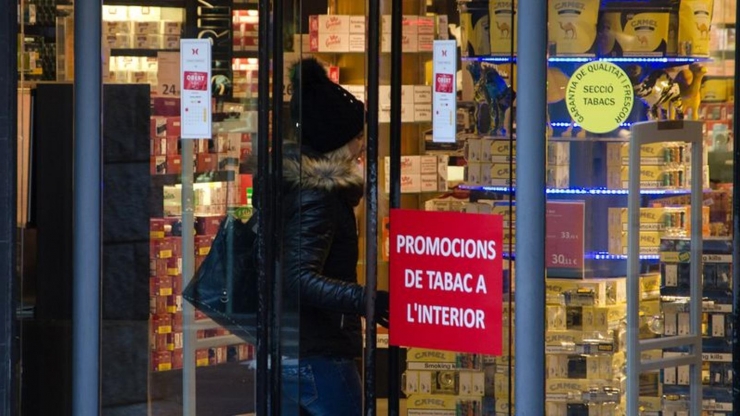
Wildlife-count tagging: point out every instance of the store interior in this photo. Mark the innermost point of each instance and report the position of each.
(679, 57)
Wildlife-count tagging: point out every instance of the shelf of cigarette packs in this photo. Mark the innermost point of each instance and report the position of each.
(445, 382)
(342, 33)
(716, 326)
(220, 189)
(585, 334)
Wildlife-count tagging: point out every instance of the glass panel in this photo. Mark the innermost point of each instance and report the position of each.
(44, 206)
(677, 60)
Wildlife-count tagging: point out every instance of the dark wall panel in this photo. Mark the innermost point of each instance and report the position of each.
(8, 352)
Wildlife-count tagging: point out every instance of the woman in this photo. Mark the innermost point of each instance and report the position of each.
(323, 184)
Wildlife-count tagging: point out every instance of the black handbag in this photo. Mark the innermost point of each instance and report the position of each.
(225, 285)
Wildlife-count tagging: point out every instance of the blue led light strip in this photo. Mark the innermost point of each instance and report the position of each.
(583, 59)
(579, 191)
(606, 256)
(566, 124)
(600, 255)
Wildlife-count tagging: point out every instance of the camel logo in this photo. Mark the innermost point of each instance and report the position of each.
(703, 30)
(504, 12)
(569, 29)
(644, 25)
(572, 8)
(430, 402)
(430, 354)
(504, 29)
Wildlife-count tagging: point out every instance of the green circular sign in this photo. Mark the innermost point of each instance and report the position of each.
(599, 96)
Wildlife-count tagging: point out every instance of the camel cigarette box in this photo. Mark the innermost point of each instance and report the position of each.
(558, 176)
(147, 28)
(650, 177)
(651, 219)
(502, 174)
(502, 148)
(649, 242)
(117, 41)
(650, 154)
(116, 27)
(147, 41)
(558, 153)
(171, 28)
(474, 150)
(443, 405)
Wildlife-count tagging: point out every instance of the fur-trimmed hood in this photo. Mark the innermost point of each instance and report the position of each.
(307, 170)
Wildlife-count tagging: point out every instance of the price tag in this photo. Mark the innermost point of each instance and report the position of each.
(444, 91)
(168, 74)
(564, 245)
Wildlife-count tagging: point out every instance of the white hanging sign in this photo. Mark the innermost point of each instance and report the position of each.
(195, 88)
(444, 91)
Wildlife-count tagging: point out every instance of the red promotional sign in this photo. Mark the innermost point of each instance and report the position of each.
(446, 281)
(564, 244)
(443, 83)
(195, 81)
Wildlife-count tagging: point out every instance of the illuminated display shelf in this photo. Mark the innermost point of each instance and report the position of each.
(599, 255)
(577, 59)
(579, 191)
(574, 138)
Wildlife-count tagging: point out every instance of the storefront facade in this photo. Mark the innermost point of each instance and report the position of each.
(618, 306)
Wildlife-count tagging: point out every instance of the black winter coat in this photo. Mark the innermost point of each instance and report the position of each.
(321, 253)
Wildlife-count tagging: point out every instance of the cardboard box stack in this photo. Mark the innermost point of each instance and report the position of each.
(228, 192)
(336, 33)
(716, 323)
(492, 162)
(663, 165)
(137, 27)
(165, 302)
(419, 173)
(418, 33)
(416, 104)
(223, 153)
(583, 353)
(443, 383)
(245, 25)
(655, 223)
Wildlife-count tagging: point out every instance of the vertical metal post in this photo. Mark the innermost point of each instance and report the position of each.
(276, 204)
(188, 269)
(261, 202)
(87, 216)
(736, 235)
(371, 202)
(697, 199)
(394, 353)
(633, 278)
(530, 206)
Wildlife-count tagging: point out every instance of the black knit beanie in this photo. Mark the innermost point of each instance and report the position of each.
(327, 115)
